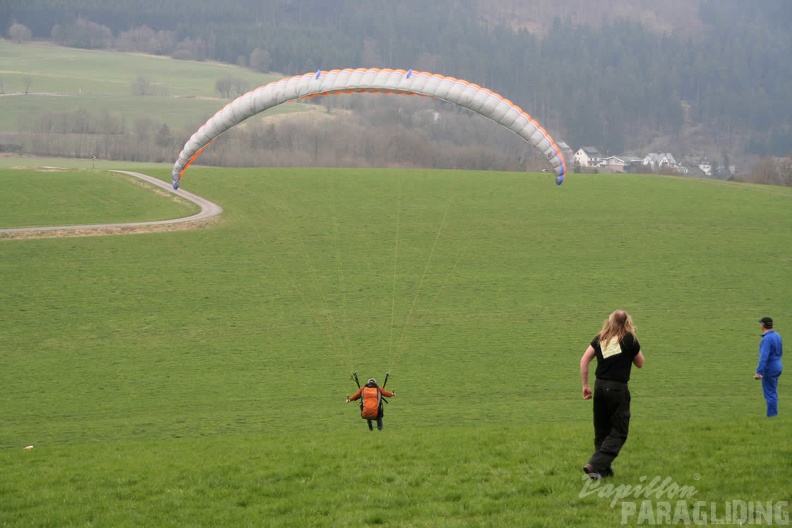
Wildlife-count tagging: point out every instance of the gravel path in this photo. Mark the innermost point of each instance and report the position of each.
(207, 214)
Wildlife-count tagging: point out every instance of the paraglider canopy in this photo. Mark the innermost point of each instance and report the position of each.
(373, 80)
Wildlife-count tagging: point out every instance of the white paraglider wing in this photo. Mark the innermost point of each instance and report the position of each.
(465, 94)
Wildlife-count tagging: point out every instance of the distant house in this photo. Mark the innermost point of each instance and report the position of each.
(621, 163)
(659, 160)
(705, 166)
(565, 149)
(664, 160)
(613, 163)
(587, 157)
(712, 171)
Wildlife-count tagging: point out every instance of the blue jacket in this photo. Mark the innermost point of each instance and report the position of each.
(770, 351)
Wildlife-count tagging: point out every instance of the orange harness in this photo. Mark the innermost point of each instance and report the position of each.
(370, 403)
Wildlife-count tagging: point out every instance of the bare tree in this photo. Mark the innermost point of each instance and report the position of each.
(19, 33)
(27, 81)
(785, 171)
(260, 60)
(223, 86)
(82, 33)
(765, 171)
(231, 86)
(240, 86)
(141, 86)
(143, 128)
(191, 49)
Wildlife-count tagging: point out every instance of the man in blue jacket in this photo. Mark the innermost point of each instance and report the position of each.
(769, 368)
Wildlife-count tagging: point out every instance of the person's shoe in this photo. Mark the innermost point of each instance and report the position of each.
(593, 475)
(607, 473)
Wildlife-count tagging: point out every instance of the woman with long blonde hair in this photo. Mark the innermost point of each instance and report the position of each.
(617, 349)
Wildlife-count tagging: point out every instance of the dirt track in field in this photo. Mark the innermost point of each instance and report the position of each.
(205, 217)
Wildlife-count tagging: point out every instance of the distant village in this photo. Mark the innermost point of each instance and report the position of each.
(589, 159)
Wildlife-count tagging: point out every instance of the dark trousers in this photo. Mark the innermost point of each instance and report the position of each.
(611, 422)
(379, 424)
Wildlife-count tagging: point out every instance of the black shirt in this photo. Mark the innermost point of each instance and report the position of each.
(615, 363)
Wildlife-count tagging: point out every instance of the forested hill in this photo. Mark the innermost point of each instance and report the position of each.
(618, 75)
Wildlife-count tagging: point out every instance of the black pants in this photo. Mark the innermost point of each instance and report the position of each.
(379, 423)
(611, 422)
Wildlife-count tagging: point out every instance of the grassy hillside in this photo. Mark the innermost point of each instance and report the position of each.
(66, 79)
(198, 378)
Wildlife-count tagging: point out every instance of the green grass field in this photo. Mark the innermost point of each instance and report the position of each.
(197, 378)
(66, 79)
(58, 196)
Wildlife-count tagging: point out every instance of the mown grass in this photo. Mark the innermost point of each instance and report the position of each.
(68, 79)
(465, 476)
(198, 378)
(57, 196)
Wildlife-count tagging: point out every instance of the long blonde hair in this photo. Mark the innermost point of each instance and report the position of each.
(617, 325)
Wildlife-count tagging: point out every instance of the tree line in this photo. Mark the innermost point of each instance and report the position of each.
(352, 131)
(346, 131)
